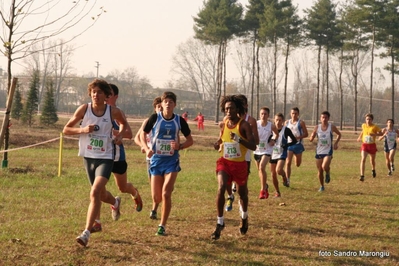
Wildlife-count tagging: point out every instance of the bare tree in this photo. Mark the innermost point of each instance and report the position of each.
(25, 23)
(196, 64)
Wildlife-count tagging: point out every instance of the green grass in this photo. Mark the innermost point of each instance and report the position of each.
(41, 214)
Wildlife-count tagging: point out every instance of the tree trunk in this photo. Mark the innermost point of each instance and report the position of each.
(372, 72)
(286, 77)
(327, 79)
(393, 79)
(318, 85)
(275, 76)
(341, 106)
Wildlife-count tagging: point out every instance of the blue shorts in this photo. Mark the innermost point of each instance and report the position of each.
(296, 148)
(321, 156)
(386, 149)
(163, 167)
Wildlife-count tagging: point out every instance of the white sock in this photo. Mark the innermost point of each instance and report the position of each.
(116, 205)
(98, 221)
(86, 232)
(221, 220)
(244, 215)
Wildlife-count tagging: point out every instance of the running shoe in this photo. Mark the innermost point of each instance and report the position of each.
(153, 215)
(277, 195)
(116, 211)
(161, 231)
(262, 194)
(327, 180)
(96, 228)
(374, 173)
(361, 178)
(83, 239)
(216, 234)
(229, 205)
(234, 187)
(138, 201)
(389, 173)
(244, 226)
(321, 189)
(285, 182)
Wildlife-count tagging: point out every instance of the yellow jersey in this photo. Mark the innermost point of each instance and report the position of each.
(233, 151)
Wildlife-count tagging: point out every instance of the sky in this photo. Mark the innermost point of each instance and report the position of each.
(140, 34)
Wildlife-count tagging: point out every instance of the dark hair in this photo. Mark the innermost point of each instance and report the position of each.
(295, 109)
(101, 84)
(114, 88)
(327, 113)
(280, 115)
(156, 101)
(170, 95)
(236, 100)
(390, 119)
(369, 115)
(265, 108)
(244, 102)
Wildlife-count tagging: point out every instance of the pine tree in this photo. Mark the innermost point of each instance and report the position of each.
(17, 106)
(49, 113)
(33, 99)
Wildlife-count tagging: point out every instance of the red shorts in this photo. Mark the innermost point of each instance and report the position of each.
(237, 171)
(369, 148)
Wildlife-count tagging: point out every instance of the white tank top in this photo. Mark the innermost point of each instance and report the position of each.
(98, 144)
(264, 133)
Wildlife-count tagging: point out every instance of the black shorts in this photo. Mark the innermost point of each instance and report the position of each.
(275, 160)
(258, 157)
(120, 167)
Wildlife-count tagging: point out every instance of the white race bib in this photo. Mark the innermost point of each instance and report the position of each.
(163, 147)
(97, 143)
(231, 150)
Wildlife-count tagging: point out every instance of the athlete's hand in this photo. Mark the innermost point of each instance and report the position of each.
(88, 129)
(149, 153)
(174, 145)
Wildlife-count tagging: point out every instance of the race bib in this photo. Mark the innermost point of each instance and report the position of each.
(368, 139)
(231, 150)
(323, 141)
(163, 147)
(97, 143)
(262, 146)
(277, 149)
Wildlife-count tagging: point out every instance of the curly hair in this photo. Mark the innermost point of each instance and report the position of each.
(236, 100)
(101, 84)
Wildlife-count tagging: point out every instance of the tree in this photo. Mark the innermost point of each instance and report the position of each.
(291, 29)
(390, 37)
(30, 108)
(49, 113)
(251, 22)
(321, 28)
(16, 111)
(270, 32)
(216, 23)
(25, 23)
(196, 63)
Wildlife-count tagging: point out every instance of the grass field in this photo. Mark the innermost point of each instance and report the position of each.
(41, 213)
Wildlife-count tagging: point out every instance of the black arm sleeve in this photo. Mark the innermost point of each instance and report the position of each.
(184, 127)
(288, 133)
(150, 123)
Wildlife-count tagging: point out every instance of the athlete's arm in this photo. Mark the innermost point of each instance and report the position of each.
(304, 130)
(336, 131)
(70, 129)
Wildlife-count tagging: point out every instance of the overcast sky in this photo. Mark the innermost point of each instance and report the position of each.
(140, 34)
